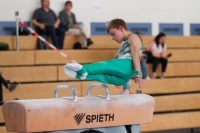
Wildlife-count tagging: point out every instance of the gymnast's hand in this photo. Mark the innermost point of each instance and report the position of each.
(140, 81)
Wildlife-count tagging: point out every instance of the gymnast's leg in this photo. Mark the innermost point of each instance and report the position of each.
(121, 69)
(104, 78)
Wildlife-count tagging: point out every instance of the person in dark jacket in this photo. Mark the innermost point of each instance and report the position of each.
(47, 23)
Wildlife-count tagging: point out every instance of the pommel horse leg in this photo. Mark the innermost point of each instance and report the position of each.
(134, 128)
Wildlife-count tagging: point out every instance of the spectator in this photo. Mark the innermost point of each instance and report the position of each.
(157, 53)
(47, 24)
(68, 21)
(8, 85)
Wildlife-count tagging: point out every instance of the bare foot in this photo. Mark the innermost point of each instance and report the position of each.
(153, 76)
(162, 76)
(124, 92)
(74, 66)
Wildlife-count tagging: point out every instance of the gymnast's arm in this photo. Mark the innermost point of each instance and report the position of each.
(135, 44)
(34, 21)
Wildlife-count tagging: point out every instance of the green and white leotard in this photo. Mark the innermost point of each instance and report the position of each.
(125, 51)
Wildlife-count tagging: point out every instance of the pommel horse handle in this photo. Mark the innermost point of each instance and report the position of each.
(139, 91)
(101, 86)
(66, 87)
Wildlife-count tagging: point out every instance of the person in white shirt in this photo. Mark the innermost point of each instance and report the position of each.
(158, 54)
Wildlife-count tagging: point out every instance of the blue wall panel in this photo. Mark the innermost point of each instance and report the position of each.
(194, 29)
(144, 28)
(8, 28)
(100, 28)
(171, 29)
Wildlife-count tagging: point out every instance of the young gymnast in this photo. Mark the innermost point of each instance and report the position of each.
(116, 71)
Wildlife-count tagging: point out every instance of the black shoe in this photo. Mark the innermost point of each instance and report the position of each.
(1, 103)
(89, 42)
(13, 86)
(169, 55)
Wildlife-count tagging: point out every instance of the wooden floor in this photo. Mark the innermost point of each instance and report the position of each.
(3, 130)
(173, 121)
(163, 86)
(48, 57)
(56, 72)
(101, 42)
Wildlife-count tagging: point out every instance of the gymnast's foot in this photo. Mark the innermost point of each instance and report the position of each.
(124, 92)
(73, 74)
(77, 68)
(74, 66)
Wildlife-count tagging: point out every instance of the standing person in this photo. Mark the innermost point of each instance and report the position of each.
(46, 23)
(69, 23)
(116, 71)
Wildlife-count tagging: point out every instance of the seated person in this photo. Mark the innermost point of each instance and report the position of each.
(47, 23)
(68, 21)
(8, 85)
(157, 53)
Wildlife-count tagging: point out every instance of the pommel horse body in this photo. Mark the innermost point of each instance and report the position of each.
(103, 114)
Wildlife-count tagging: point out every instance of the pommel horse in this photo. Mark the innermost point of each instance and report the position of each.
(90, 114)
